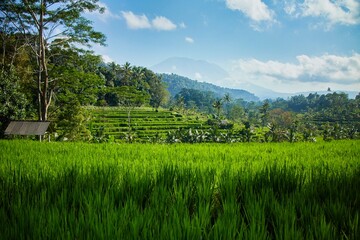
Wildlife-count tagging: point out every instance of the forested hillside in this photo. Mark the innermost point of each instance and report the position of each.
(176, 83)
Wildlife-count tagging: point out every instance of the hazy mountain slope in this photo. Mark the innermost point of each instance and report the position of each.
(193, 69)
(203, 71)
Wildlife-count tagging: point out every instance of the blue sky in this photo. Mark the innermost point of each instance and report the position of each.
(286, 46)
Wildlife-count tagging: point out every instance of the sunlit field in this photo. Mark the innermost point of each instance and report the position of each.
(207, 191)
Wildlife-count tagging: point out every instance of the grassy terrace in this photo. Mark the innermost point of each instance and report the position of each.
(145, 122)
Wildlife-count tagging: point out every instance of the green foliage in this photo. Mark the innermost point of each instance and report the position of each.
(66, 15)
(196, 99)
(12, 100)
(39, 24)
(131, 97)
(207, 191)
(78, 85)
(72, 124)
(125, 84)
(264, 111)
(13, 103)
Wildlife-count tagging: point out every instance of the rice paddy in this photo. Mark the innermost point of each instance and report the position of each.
(204, 191)
(145, 123)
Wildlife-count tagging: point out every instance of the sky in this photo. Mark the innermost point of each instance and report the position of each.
(286, 46)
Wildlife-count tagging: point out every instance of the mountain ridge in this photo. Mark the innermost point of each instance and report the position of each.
(176, 83)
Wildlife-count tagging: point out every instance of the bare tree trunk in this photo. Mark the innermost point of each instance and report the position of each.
(39, 62)
(43, 81)
(39, 94)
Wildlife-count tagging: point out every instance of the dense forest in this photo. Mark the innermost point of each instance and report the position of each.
(48, 73)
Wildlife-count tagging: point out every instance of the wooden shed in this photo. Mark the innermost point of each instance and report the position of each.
(27, 128)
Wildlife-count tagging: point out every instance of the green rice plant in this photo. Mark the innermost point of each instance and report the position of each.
(207, 191)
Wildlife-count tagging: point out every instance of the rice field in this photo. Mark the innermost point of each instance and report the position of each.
(205, 191)
(145, 122)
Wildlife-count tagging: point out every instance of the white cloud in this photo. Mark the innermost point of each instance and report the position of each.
(256, 10)
(331, 67)
(160, 23)
(134, 21)
(345, 12)
(189, 40)
(326, 68)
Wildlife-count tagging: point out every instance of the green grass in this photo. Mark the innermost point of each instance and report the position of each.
(208, 191)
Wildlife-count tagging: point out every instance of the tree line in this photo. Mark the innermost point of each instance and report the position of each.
(299, 118)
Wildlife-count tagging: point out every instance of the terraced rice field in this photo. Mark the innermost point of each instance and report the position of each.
(145, 122)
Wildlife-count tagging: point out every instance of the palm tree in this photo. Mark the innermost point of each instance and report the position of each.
(264, 110)
(180, 102)
(218, 105)
(138, 74)
(227, 98)
(126, 72)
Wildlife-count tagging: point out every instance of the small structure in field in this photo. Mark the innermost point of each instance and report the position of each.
(27, 128)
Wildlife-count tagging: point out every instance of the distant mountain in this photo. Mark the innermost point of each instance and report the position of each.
(175, 83)
(193, 69)
(203, 71)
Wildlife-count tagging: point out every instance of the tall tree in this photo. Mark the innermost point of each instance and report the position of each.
(49, 23)
(264, 111)
(156, 88)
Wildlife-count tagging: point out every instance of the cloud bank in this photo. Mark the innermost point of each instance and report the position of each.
(326, 68)
(326, 12)
(159, 23)
(331, 12)
(256, 10)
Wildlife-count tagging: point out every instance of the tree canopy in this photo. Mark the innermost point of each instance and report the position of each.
(44, 25)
